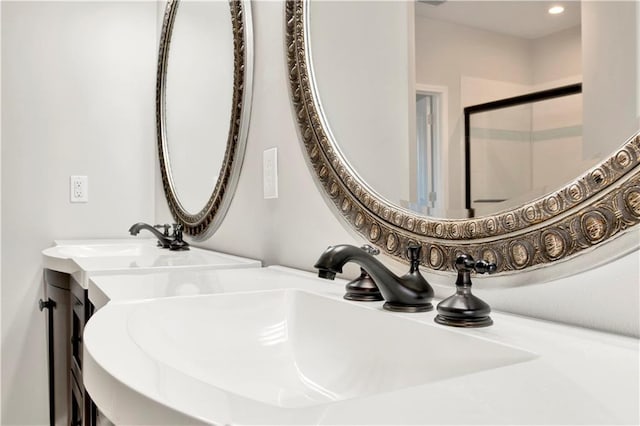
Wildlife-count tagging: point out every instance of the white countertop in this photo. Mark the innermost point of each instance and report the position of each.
(85, 258)
(577, 376)
(154, 285)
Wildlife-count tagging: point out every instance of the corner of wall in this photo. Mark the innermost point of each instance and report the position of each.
(0, 212)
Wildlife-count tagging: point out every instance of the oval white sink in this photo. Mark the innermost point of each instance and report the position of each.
(95, 257)
(284, 348)
(100, 250)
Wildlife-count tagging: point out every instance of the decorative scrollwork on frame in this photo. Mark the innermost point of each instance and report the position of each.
(597, 206)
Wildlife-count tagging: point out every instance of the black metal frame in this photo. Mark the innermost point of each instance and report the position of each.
(543, 95)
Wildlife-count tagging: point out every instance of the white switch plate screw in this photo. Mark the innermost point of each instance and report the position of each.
(79, 189)
(270, 173)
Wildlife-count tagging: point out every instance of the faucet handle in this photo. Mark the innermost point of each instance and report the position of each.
(413, 251)
(164, 226)
(374, 251)
(463, 309)
(178, 243)
(465, 263)
(484, 267)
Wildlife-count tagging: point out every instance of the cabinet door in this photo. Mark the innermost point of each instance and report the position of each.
(81, 310)
(77, 404)
(77, 328)
(58, 336)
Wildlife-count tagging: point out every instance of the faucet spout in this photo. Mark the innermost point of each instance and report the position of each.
(163, 240)
(409, 293)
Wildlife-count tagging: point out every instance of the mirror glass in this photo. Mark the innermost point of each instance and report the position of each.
(203, 99)
(519, 151)
(407, 70)
(199, 93)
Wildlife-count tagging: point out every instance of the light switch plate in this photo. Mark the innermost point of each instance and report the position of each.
(270, 173)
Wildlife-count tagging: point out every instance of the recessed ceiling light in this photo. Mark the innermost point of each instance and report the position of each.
(556, 10)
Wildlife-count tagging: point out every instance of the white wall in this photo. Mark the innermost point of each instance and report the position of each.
(610, 60)
(556, 56)
(372, 129)
(78, 81)
(295, 228)
(446, 53)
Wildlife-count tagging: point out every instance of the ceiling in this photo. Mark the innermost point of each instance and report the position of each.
(524, 19)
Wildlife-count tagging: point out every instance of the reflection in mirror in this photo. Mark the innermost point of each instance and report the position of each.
(418, 65)
(344, 115)
(521, 148)
(203, 102)
(367, 98)
(199, 91)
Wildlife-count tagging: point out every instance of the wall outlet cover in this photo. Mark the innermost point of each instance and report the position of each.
(79, 189)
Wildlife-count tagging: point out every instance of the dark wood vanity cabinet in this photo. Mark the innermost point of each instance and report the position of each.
(83, 411)
(69, 310)
(56, 305)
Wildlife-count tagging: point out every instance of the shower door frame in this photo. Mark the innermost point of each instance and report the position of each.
(543, 95)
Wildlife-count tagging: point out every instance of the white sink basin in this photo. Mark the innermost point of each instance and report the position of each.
(284, 348)
(84, 258)
(101, 249)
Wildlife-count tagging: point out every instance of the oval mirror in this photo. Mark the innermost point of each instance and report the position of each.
(203, 103)
(385, 131)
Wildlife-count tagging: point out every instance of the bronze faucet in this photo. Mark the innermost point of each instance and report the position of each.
(165, 240)
(409, 293)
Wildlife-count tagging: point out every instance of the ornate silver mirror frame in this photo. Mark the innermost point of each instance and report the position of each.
(599, 206)
(203, 223)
